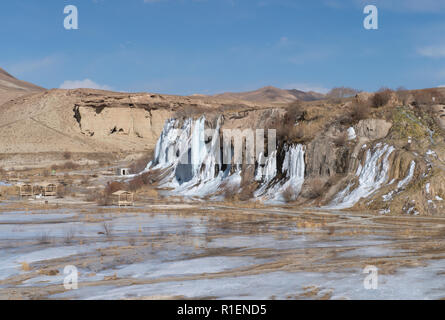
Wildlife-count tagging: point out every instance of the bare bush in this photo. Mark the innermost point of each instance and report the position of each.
(289, 194)
(61, 192)
(140, 164)
(341, 139)
(428, 97)
(100, 198)
(140, 181)
(69, 235)
(45, 238)
(360, 111)
(342, 92)
(107, 227)
(69, 165)
(248, 184)
(294, 113)
(403, 95)
(381, 97)
(67, 155)
(315, 189)
(114, 186)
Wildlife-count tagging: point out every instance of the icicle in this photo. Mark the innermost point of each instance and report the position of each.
(371, 177)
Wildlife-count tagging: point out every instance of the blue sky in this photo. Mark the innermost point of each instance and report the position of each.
(212, 46)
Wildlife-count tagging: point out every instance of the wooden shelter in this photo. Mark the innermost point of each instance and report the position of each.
(49, 189)
(123, 198)
(25, 189)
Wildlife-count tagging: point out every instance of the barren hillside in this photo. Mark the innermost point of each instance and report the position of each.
(11, 87)
(272, 95)
(88, 120)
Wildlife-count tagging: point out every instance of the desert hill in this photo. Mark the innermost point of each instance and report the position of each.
(90, 121)
(11, 88)
(272, 95)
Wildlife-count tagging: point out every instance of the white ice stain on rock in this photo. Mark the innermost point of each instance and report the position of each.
(192, 158)
(293, 168)
(402, 183)
(269, 171)
(371, 177)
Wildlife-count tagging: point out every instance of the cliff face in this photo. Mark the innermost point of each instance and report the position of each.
(96, 121)
(391, 160)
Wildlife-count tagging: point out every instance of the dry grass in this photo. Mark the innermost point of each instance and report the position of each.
(140, 164)
(25, 266)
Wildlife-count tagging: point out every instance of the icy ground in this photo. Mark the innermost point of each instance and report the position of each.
(219, 252)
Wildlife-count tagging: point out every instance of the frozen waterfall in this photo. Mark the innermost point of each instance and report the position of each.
(371, 176)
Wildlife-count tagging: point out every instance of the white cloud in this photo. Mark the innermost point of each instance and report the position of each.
(83, 84)
(432, 51)
(306, 87)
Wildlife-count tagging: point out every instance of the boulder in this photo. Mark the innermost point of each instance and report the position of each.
(373, 129)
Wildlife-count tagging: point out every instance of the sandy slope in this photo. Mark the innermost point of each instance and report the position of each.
(11, 87)
(273, 95)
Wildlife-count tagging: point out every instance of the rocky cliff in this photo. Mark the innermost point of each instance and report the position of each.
(389, 159)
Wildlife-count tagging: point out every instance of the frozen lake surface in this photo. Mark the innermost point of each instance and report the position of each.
(223, 253)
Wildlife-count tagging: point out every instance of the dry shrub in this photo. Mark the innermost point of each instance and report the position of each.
(67, 155)
(140, 164)
(100, 198)
(403, 95)
(341, 92)
(46, 173)
(248, 184)
(61, 192)
(69, 235)
(289, 194)
(190, 111)
(294, 113)
(287, 128)
(360, 111)
(141, 181)
(316, 188)
(428, 97)
(25, 266)
(230, 191)
(69, 165)
(107, 229)
(341, 139)
(381, 97)
(114, 186)
(45, 238)
(104, 198)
